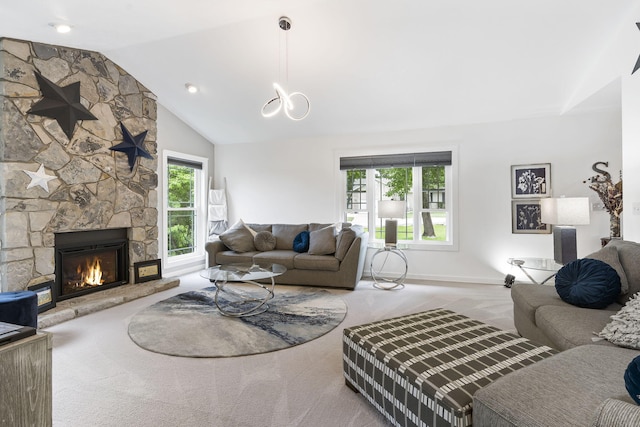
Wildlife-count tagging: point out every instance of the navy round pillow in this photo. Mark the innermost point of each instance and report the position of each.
(588, 283)
(632, 379)
(301, 242)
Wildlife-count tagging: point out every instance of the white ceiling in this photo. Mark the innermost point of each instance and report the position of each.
(366, 65)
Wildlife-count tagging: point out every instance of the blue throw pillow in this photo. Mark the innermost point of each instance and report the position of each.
(588, 283)
(301, 242)
(632, 379)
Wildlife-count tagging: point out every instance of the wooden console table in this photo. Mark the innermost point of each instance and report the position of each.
(25, 388)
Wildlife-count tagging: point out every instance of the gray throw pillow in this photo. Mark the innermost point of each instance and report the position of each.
(238, 238)
(323, 241)
(609, 255)
(624, 328)
(343, 242)
(264, 241)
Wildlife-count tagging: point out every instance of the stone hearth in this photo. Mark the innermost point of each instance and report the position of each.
(93, 186)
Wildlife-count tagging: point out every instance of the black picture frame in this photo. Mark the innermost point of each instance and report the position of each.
(531, 181)
(145, 271)
(526, 217)
(46, 295)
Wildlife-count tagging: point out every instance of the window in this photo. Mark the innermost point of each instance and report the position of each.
(185, 196)
(423, 181)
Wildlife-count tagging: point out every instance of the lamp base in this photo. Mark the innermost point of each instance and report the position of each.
(564, 244)
(391, 232)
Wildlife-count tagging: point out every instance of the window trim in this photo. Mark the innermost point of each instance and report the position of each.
(451, 196)
(201, 207)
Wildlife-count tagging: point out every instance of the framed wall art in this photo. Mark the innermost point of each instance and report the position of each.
(145, 271)
(46, 297)
(526, 218)
(531, 181)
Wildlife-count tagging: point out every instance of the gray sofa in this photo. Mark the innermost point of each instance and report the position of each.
(337, 266)
(584, 384)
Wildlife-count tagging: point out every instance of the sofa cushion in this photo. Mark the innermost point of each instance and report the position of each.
(301, 242)
(527, 298)
(260, 227)
(316, 262)
(231, 257)
(629, 254)
(345, 239)
(276, 257)
(314, 226)
(285, 233)
(609, 254)
(624, 327)
(323, 241)
(264, 241)
(238, 238)
(588, 283)
(632, 379)
(570, 326)
(563, 390)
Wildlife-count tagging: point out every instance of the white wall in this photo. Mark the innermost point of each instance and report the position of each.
(296, 182)
(175, 135)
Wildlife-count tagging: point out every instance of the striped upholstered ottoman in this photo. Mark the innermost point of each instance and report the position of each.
(423, 369)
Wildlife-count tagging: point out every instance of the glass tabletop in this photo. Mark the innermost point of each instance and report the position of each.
(242, 272)
(542, 264)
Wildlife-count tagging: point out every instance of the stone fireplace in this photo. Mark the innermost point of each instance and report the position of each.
(92, 187)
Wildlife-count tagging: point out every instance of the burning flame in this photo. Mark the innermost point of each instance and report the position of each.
(92, 275)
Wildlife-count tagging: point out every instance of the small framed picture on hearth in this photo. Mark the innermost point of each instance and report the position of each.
(46, 297)
(145, 271)
(526, 218)
(531, 181)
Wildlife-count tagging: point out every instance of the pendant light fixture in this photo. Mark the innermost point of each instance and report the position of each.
(295, 105)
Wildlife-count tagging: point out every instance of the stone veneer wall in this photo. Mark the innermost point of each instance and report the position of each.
(94, 188)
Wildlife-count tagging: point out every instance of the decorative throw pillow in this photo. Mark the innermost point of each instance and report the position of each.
(323, 241)
(264, 241)
(343, 242)
(609, 254)
(588, 283)
(301, 242)
(624, 327)
(238, 238)
(632, 379)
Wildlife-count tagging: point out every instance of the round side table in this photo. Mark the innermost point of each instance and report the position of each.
(384, 281)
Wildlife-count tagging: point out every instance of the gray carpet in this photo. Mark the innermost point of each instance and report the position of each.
(190, 324)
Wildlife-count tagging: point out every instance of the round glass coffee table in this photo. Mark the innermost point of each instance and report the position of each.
(238, 293)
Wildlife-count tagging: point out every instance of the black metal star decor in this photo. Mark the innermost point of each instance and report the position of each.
(61, 103)
(132, 146)
(638, 61)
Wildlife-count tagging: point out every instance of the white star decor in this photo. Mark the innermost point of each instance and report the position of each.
(39, 178)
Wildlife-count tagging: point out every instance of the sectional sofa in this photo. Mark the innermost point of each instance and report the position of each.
(335, 255)
(584, 384)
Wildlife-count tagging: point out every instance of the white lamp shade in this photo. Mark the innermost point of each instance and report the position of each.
(391, 209)
(565, 210)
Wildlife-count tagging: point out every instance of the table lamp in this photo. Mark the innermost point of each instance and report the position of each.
(391, 209)
(564, 213)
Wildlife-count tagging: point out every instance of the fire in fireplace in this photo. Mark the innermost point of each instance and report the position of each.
(90, 261)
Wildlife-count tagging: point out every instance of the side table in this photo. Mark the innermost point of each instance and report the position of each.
(388, 281)
(536, 264)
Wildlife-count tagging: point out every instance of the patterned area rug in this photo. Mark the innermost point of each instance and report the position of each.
(190, 325)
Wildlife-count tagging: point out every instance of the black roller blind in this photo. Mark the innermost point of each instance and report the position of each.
(433, 158)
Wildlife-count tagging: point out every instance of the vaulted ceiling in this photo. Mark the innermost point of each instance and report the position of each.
(366, 65)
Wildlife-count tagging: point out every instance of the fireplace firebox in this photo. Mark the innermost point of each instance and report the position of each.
(90, 261)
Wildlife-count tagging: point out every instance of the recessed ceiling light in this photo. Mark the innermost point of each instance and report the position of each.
(191, 88)
(61, 28)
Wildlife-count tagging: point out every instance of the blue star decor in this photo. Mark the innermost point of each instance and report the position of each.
(638, 61)
(132, 146)
(61, 104)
